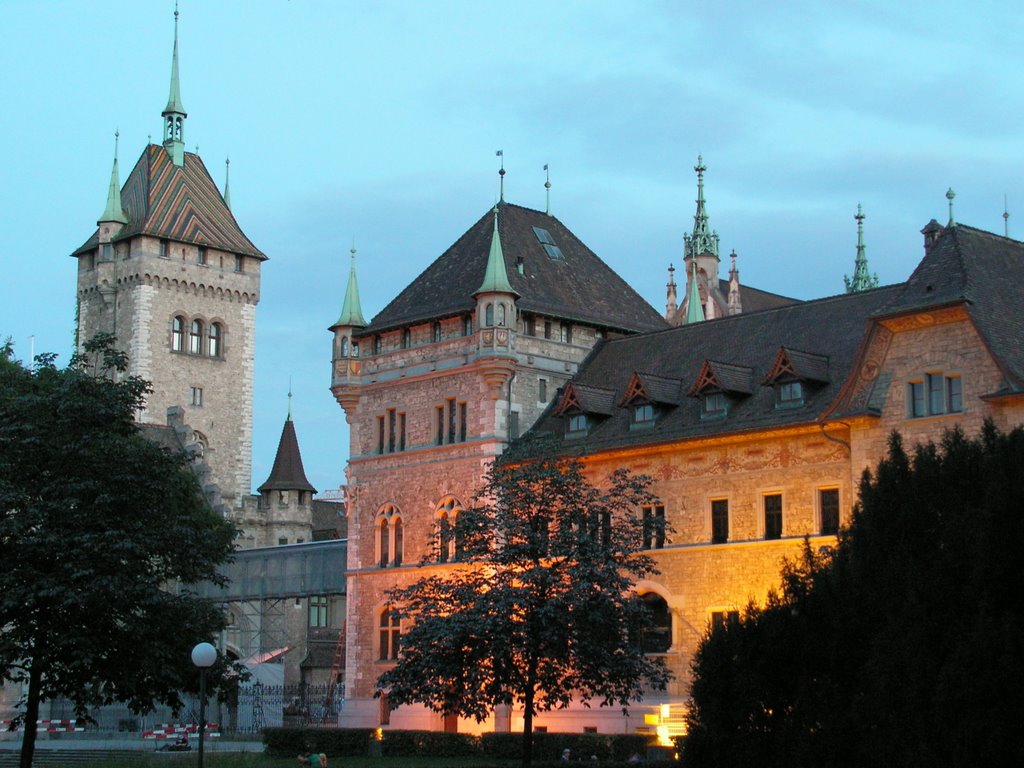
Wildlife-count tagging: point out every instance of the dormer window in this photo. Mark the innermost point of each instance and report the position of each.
(789, 394)
(577, 424)
(643, 414)
(713, 405)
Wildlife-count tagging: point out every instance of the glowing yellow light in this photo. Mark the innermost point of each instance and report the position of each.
(651, 720)
(378, 734)
(666, 711)
(663, 738)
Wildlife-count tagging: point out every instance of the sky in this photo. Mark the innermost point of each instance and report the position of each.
(377, 123)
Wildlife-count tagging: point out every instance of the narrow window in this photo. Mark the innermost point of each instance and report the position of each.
(239, 264)
(201, 255)
(165, 249)
(377, 345)
(936, 395)
(380, 434)
(195, 338)
(915, 399)
(406, 338)
(389, 635)
(501, 314)
(513, 425)
(385, 710)
(542, 390)
(954, 394)
(489, 315)
(654, 526)
(396, 526)
(343, 350)
(773, 516)
(318, 611)
(451, 421)
(531, 325)
(215, 339)
(467, 325)
(719, 521)
(384, 530)
(547, 329)
(440, 425)
(435, 332)
(657, 636)
(196, 396)
(444, 535)
(567, 333)
(462, 422)
(828, 504)
(392, 429)
(178, 334)
(401, 431)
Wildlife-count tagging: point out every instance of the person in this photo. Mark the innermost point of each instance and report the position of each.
(635, 759)
(322, 761)
(308, 758)
(566, 755)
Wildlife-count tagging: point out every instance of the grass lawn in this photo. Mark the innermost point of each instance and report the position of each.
(256, 760)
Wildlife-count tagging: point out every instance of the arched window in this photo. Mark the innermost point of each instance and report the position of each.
(390, 537)
(436, 332)
(396, 529)
(501, 314)
(657, 637)
(343, 348)
(467, 325)
(195, 338)
(355, 349)
(216, 338)
(178, 334)
(489, 315)
(384, 529)
(390, 633)
(448, 546)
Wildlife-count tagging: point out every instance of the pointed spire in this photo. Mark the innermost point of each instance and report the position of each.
(501, 175)
(351, 311)
(495, 276)
(114, 211)
(861, 280)
(703, 239)
(1006, 218)
(735, 305)
(174, 113)
(227, 182)
(950, 194)
(671, 305)
(694, 311)
(289, 398)
(288, 473)
(547, 189)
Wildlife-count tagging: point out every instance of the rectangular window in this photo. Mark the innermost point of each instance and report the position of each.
(723, 618)
(789, 394)
(719, 521)
(936, 396)
(201, 255)
(714, 404)
(531, 325)
(577, 422)
(513, 425)
(318, 611)
(915, 399)
(542, 390)
(401, 431)
(547, 329)
(165, 249)
(392, 429)
(654, 526)
(828, 505)
(196, 395)
(451, 421)
(954, 394)
(643, 413)
(440, 425)
(462, 422)
(380, 434)
(773, 516)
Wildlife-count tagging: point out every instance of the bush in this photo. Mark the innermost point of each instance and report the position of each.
(335, 742)
(549, 746)
(427, 743)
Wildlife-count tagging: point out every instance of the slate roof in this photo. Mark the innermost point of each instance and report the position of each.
(287, 473)
(177, 203)
(715, 375)
(754, 299)
(657, 389)
(832, 327)
(579, 287)
(985, 270)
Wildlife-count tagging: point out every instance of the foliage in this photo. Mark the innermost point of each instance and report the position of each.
(902, 646)
(336, 742)
(539, 608)
(101, 532)
(548, 746)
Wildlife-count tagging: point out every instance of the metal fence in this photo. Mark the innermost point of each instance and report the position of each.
(256, 707)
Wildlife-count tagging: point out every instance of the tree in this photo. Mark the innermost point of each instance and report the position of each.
(902, 646)
(101, 532)
(539, 608)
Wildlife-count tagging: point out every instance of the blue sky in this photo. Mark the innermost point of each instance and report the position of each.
(379, 121)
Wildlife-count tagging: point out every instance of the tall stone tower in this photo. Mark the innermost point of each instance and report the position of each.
(170, 274)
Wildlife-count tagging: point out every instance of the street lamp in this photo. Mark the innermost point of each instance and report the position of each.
(204, 656)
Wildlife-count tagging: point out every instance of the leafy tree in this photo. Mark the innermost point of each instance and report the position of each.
(101, 532)
(902, 646)
(539, 607)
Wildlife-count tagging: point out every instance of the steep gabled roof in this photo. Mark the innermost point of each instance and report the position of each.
(749, 344)
(984, 270)
(578, 286)
(794, 364)
(288, 473)
(177, 203)
(588, 399)
(716, 376)
(654, 389)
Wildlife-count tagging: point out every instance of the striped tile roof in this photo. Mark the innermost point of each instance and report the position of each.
(177, 203)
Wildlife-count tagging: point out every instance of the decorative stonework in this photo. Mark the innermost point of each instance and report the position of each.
(926, 319)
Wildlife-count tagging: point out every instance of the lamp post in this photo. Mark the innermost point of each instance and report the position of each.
(204, 656)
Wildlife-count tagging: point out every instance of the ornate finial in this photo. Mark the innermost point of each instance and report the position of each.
(1006, 218)
(950, 194)
(671, 273)
(547, 188)
(732, 261)
(289, 398)
(501, 175)
(352, 250)
(703, 239)
(861, 280)
(227, 180)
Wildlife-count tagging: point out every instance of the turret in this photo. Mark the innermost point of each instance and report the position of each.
(174, 113)
(496, 316)
(286, 498)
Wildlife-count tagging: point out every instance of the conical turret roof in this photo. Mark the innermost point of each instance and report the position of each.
(287, 473)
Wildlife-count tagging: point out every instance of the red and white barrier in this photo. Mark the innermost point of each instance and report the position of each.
(173, 731)
(47, 726)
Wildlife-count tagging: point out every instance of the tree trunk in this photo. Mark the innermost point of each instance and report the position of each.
(531, 683)
(28, 740)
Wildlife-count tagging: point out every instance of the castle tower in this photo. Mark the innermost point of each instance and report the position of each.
(171, 275)
(286, 497)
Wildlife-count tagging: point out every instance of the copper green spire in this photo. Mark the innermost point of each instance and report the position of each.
(351, 311)
(114, 211)
(703, 240)
(227, 182)
(495, 276)
(174, 113)
(694, 311)
(861, 280)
